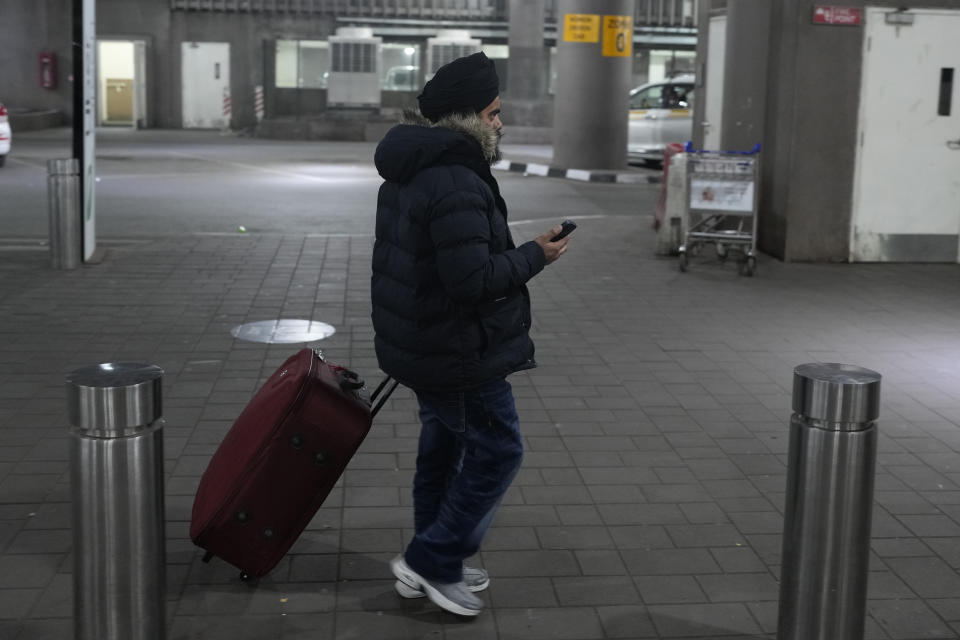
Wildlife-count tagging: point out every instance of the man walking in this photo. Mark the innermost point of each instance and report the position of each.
(451, 312)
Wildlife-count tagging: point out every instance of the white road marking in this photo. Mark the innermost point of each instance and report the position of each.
(289, 174)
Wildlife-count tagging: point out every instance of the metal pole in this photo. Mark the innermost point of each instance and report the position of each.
(829, 501)
(116, 467)
(63, 195)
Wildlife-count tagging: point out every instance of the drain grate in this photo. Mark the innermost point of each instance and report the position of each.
(283, 331)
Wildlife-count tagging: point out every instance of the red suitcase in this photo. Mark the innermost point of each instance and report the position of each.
(279, 461)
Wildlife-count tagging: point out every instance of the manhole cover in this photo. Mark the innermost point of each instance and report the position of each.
(283, 331)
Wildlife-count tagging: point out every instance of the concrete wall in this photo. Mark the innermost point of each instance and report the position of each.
(251, 54)
(28, 27)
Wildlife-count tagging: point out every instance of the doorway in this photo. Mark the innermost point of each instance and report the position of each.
(206, 85)
(122, 83)
(906, 200)
(716, 61)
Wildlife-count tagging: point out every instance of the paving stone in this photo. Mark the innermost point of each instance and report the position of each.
(900, 548)
(531, 563)
(28, 571)
(740, 587)
(739, 559)
(703, 513)
(261, 627)
(665, 562)
(572, 537)
(908, 619)
(522, 592)
(43, 630)
(709, 620)
(928, 577)
(603, 562)
(41, 541)
(946, 608)
(704, 535)
(56, 601)
(15, 602)
(626, 621)
(669, 589)
(641, 514)
(568, 623)
(595, 591)
(557, 495)
(933, 526)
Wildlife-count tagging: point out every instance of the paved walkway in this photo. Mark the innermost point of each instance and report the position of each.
(650, 500)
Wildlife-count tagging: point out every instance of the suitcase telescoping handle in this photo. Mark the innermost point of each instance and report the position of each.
(382, 398)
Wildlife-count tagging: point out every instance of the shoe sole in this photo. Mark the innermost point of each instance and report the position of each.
(412, 580)
(406, 591)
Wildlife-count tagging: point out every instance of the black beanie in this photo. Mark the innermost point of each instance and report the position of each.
(464, 85)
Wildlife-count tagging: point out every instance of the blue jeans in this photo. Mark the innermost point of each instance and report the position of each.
(470, 450)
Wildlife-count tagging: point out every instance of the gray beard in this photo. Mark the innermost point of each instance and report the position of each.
(497, 155)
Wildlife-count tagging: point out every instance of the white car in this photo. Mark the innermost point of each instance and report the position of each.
(403, 78)
(4, 134)
(660, 113)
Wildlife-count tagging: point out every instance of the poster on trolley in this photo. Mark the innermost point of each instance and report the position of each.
(721, 195)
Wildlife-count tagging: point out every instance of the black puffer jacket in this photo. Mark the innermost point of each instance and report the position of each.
(450, 306)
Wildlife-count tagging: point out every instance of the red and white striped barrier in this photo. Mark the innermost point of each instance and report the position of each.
(226, 106)
(258, 102)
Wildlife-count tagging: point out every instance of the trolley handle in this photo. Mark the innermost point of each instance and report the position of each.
(688, 148)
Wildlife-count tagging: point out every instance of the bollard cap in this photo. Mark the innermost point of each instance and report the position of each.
(113, 398)
(836, 393)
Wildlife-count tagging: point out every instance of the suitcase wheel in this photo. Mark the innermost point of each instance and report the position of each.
(207, 557)
(349, 380)
(296, 441)
(244, 576)
(320, 458)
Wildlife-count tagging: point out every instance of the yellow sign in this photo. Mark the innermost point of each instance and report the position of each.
(581, 27)
(617, 36)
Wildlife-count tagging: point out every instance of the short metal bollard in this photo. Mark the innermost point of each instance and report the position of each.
(116, 472)
(829, 502)
(63, 192)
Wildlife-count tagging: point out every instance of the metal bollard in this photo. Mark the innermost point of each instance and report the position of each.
(63, 192)
(829, 502)
(116, 473)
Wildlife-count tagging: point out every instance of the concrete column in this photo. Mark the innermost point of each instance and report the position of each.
(594, 76)
(744, 93)
(526, 101)
(529, 62)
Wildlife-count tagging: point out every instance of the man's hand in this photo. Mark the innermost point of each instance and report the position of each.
(552, 250)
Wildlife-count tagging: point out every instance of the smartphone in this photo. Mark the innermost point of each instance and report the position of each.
(568, 227)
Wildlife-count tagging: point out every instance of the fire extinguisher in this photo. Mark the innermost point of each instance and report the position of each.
(48, 70)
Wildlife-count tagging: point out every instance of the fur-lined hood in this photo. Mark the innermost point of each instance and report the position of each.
(416, 143)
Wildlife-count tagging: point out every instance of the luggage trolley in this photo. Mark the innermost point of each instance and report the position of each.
(722, 205)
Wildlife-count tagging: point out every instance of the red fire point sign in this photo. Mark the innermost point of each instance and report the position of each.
(829, 14)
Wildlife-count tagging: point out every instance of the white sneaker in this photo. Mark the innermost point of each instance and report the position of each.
(453, 597)
(476, 580)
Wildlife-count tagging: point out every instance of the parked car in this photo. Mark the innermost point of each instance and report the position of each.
(402, 78)
(4, 134)
(660, 113)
